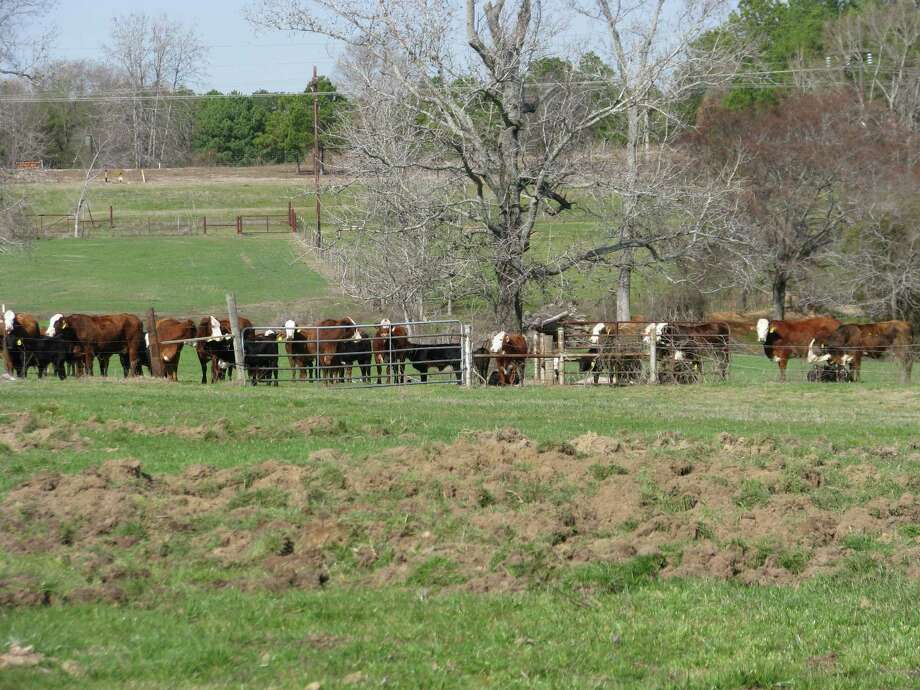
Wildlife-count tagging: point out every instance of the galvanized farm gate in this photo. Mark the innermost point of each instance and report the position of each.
(358, 355)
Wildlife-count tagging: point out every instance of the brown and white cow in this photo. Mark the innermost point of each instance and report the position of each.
(300, 349)
(851, 342)
(100, 336)
(218, 348)
(20, 331)
(391, 347)
(612, 348)
(783, 340)
(510, 369)
(687, 344)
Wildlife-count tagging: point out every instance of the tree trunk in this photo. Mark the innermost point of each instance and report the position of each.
(509, 310)
(623, 288)
(779, 296)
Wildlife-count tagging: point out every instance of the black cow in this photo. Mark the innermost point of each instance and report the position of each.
(261, 358)
(45, 350)
(357, 350)
(425, 357)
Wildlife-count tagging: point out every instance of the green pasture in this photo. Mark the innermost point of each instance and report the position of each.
(178, 276)
(179, 630)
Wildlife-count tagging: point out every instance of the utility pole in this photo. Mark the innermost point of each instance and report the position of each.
(319, 225)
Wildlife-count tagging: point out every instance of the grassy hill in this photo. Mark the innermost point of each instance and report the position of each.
(181, 276)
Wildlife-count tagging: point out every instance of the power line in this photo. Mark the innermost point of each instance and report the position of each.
(744, 79)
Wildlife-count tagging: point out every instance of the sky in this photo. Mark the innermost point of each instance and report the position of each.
(240, 57)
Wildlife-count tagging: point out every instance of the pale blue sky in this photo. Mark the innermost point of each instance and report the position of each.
(240, 57)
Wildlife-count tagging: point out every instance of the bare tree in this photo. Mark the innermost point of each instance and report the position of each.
(798, 161)
(21, 135)
(508, 144)
(878, 50)
(663, 52)
(156, 58)
(22, 50)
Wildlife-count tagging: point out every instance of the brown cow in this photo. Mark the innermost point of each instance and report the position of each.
(613, 348)
(685, 346)
(847, 345)
(218, 349)
(172, 329)
(510, 369)
(391, 347)
(317, 346)
(301, 350)
(785, 339)
(19, 332)
(100, 336)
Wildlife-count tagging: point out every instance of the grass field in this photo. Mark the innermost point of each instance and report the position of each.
(180, 276)
(162, 600)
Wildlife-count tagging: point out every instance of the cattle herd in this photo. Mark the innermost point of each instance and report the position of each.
(327, 352)
(330, 350)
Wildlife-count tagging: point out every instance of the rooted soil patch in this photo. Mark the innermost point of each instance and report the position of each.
(25, 431)
(490, 511)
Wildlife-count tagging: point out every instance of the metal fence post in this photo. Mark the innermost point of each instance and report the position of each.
(237, 339)
(467, 354)
(560, 343)
(653, 357)
(153, 346)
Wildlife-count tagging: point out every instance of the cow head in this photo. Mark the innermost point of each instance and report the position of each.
(596, 332)
(763, 329)
(498, 342)
(56, 325)
(289, 328)
(816, 352)
(9, 319)
(384, 327)
(216, 333)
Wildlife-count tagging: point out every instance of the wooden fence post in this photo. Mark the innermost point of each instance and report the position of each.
(111, 218)
(239, 225)
(204, 223)
(535, 348)
(653, 357)
(238, 355)
(153, 345)
(560, 342)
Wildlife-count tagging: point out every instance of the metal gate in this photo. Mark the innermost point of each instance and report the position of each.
(358, 355)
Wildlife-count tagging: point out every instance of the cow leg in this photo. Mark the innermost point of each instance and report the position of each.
(781, 363)
(204, 369)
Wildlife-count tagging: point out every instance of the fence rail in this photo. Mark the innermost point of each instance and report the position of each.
(132, 224)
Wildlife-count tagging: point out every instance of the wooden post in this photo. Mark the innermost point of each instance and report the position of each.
(237, 340)
(535, 348)
(153, 345)
(653, 357)
(467, 353)
(111, 218)
(239, 225)
(319, 225)
(560, 343)
(204, 224)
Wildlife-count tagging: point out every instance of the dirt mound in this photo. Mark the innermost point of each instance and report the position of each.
(25, 431)
(490, 511)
